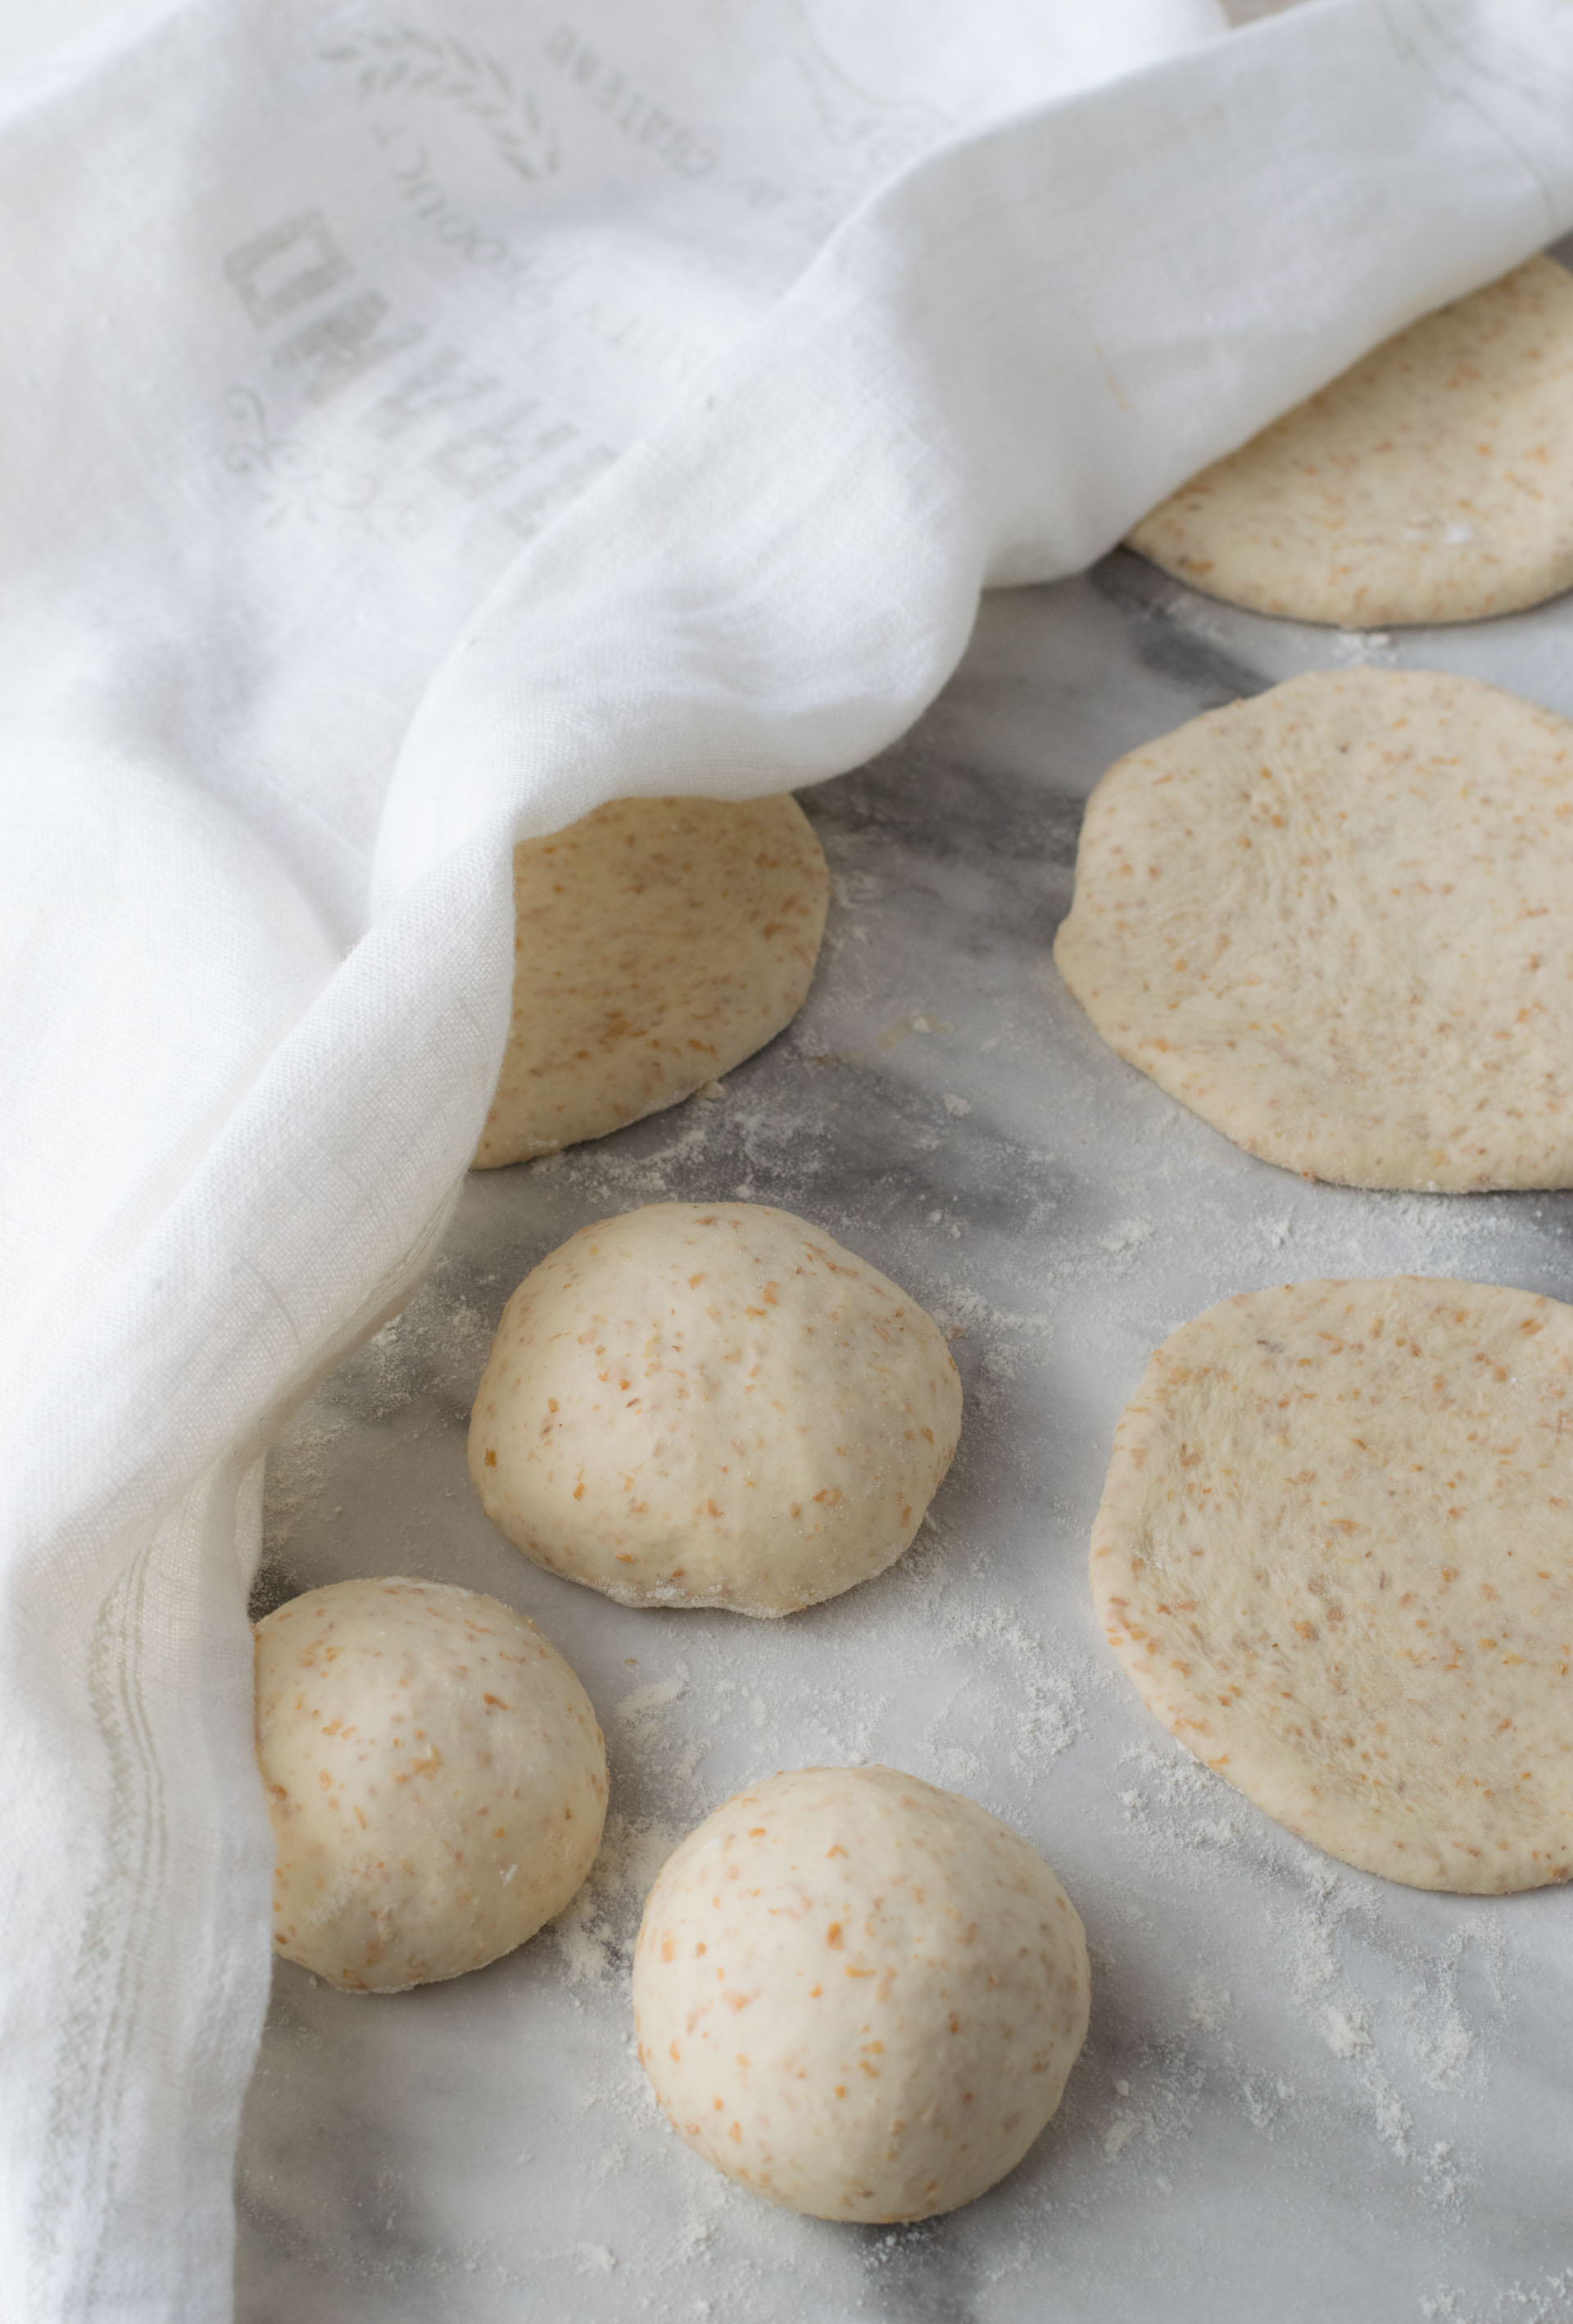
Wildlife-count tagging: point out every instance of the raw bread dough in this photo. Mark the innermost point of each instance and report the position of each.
(712, 1405)
(435, 1775)
(859, 1995)
(1432, 482)
(657, 944)
(1337, 921)
(1334, 1553)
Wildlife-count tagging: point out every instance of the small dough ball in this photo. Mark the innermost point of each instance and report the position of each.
(712, 1405)
(658, 942)
(859, 1995)
(435, 1775)
(1431, 482)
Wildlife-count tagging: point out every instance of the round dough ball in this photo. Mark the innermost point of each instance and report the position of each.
(1334, 1553)
(1432, 482)
(859, 1995)
(657, 944)
(712, 1405)
(435, 1776)
(1336, 922)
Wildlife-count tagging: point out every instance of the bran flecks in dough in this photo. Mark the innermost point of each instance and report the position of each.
(657, 944)
(435, 1776)
(857, 1995)
(1433, 481)
(1336, 920)
(1335, 1555)
(712, 1405)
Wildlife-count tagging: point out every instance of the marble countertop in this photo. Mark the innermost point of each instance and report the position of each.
(1305, 2093)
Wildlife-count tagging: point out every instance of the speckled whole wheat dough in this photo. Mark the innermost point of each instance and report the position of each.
(657, 944)
(1431, 482)
(712, 1405)
(1337, 921)
(435, 1776)
(857, 1995)
(1334, 1553)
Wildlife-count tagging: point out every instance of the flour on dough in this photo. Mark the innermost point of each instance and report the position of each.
(712, 1405)
(657, 944)
(1432, 482)
(435, 1776)
(1337, 921)
(1334, 1553)
(857, 1995)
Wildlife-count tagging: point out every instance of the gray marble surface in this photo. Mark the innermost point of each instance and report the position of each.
(1305, 2094)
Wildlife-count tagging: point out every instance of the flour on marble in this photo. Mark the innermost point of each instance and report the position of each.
(594, 1935)
(1548, 2300)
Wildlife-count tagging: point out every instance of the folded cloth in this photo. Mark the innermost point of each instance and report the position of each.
(421, 427)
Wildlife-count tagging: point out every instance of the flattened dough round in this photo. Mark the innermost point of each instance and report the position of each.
(712, 1405)
(1334, 1553)
(1431, 482)
(1337, 921)
(435, 1775)
(859, 1995)
(657, 944)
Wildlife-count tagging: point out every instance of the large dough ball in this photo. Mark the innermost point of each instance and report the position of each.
(435, 1775)
(859, 1995)
(712, 1405)
(1337, 921)
(1432, 482)
(1334, 1557)
(658, 942)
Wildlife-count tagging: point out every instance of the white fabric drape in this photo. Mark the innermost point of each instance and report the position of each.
(421, 427)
